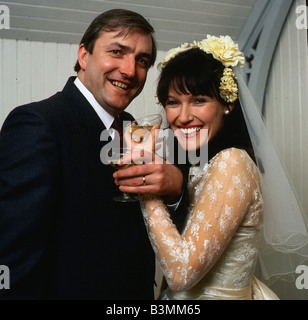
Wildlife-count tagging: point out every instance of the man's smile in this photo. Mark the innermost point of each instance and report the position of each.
(120, 85)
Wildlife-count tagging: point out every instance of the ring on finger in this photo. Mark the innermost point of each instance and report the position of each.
(143, 179)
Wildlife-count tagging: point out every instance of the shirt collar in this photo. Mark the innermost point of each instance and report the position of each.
(105, 117)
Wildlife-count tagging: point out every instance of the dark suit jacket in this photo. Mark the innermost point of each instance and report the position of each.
(61, 234)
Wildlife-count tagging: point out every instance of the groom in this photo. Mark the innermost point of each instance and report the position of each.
(61, 234)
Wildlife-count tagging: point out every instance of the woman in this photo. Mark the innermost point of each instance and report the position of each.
(214, 257)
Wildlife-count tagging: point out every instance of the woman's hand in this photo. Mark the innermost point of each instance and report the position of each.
(156, 177)
(134, 141)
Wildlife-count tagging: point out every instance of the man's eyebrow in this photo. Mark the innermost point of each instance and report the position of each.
(144, 55)
(119, 45)
(126, 48)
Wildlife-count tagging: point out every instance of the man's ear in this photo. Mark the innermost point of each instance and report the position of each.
(82, 56)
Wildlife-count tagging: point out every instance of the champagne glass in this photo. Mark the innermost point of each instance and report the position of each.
(141, 128)
(114, 155)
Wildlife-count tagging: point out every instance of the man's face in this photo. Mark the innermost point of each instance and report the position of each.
(116, 71)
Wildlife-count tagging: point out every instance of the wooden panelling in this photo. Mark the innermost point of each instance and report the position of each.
(175, 21)
(31, 71)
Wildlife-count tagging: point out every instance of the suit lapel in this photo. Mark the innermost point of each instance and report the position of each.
(81, 109)
(83, 112)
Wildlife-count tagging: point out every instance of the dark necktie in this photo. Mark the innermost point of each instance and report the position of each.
(118, 126)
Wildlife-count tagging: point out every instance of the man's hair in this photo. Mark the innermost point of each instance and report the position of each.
(113, 20)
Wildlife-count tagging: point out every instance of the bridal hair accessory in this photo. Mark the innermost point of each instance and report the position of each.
(222, 49)
(228, 86)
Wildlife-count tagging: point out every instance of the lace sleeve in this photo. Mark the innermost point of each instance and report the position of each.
(225, 197)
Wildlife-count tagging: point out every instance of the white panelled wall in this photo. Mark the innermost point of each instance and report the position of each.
(31, 71)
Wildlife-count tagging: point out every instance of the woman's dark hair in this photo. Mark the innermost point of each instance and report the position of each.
(113, 20)
(198, 73)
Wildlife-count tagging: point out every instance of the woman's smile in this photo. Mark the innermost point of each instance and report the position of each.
(190, 131)
(195, 120)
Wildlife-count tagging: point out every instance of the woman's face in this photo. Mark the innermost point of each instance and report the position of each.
(188, 115)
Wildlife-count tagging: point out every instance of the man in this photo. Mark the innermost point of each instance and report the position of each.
(61, 234)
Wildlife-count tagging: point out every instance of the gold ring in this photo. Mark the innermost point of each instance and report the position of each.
(144, 182)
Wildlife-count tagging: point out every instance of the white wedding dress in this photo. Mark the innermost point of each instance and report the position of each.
(215, 256)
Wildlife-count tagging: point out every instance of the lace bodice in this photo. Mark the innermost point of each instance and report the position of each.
(219, 245)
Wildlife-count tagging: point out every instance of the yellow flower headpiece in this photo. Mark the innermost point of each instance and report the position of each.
(222, 49)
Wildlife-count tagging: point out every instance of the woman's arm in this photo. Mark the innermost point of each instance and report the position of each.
(223, 202)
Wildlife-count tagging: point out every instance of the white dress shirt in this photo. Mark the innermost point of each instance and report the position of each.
(106, 118)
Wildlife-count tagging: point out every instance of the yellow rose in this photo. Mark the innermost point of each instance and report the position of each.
(224, 50)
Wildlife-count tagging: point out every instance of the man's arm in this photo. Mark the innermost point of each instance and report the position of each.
(27, 185)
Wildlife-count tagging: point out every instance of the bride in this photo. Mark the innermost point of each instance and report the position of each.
(215, 255)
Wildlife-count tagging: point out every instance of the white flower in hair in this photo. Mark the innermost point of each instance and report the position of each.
(171, 54)
(224, 50)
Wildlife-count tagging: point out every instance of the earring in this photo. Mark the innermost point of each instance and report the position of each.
(227, 112)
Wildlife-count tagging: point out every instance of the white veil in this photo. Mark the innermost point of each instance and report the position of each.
(284, 242)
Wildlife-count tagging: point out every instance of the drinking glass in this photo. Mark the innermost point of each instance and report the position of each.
(141, 128)
(115, 154)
